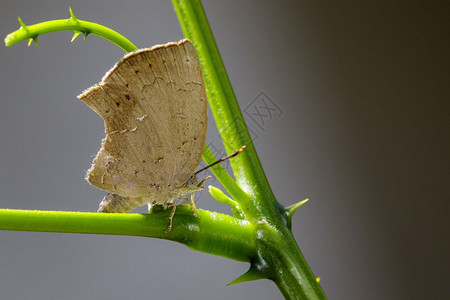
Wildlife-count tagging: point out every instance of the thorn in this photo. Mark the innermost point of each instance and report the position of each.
(72, 15)
(85, 34)
(252, 274)
(21, 23)
(318, 279)
(75, 35)
(33, 39)
(290, 210)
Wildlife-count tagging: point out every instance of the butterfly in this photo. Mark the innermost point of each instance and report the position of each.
(154, 106)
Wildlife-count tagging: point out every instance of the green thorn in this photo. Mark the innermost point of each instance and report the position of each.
(72, 15)
(75, 35)
(33, 39)
(290, 210)
(252, 274)
(85, 34)
(318, 279)
(21, 23)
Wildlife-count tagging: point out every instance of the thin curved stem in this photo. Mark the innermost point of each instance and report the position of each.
(72, 24)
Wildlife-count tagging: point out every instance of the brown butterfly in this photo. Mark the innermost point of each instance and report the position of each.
(153, 103)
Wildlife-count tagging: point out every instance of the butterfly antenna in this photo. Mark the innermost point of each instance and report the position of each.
(221, 160)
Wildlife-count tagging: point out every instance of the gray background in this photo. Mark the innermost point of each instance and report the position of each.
(363, 87)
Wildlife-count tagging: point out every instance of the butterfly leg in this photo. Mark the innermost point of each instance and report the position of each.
(192, 204)
(192, 198)
(172, 213)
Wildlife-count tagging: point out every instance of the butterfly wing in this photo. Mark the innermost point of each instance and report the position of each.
(153, 102)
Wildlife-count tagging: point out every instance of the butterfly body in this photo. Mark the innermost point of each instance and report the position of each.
(114, 203)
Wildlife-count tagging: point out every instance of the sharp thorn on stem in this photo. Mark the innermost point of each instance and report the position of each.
(21, 23)
(72, 15)
(33, 39)
(75, 35)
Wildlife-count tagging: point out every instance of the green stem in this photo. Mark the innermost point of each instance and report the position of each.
(227, 114)
(279, 257)
(213, 233)
(73, 24)
(288, 268)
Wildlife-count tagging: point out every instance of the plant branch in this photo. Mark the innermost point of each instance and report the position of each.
(31, 32)
(227, 114)
(213, 233)
(278, 255)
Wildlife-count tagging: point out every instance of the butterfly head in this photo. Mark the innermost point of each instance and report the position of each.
(193, 184)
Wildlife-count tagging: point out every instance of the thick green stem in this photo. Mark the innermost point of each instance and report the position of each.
(289, 269)
(227, 114)
(212, 233)
(279, 258)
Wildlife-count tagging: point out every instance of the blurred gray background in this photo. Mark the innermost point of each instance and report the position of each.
(361, 128)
